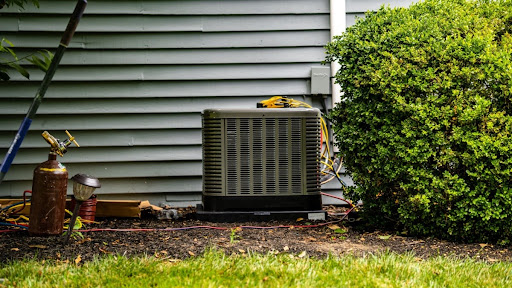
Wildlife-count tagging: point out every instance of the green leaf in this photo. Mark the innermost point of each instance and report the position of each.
(20, 69)
(384, 237)
(340, 231)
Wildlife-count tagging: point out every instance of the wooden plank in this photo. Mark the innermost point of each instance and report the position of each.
(158, 40)
(141, 89)
(190, 56)
(111, 138)
(184, 7)
(109, 155)
(105, 122)
(116, 170)
(118, 208)
(134, 106)
(174, 199)
(104, 208)
(174, 72)
(110, 23)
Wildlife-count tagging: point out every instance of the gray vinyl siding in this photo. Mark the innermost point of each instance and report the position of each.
(356, 8)
(136, 76)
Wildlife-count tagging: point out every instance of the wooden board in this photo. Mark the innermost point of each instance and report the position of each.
(104, 208)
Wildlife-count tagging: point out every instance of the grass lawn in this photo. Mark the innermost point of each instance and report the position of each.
(215, 269)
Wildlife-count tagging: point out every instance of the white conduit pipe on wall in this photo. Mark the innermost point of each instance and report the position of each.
(338, 25)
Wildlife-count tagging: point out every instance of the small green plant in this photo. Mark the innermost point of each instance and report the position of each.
(233, 236)
(78, 224)
(425, 128)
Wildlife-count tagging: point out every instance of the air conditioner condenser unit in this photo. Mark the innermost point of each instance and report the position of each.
(261, 162)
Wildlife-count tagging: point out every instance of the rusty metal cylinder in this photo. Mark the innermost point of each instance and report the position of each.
(48, 202)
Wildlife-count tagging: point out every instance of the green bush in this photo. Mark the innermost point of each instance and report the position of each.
(425, 128)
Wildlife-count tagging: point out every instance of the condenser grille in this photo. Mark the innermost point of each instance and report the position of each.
(270, 156)
(212, 155)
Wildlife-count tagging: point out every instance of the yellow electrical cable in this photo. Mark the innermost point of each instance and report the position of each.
(17, 219)
(14, 207)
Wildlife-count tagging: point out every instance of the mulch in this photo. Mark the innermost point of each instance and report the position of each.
(321, 241)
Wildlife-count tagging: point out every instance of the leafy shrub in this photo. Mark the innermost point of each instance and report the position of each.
(425, 127)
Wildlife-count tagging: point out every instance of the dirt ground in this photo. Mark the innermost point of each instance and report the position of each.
(334, 238)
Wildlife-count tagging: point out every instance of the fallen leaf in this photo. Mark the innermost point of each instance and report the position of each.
(78, 259)
(241, 250)
(37, 246)
(286, 248)
(333, 227)
(104, 251)
(384, 237)
(362, 239)
(15, 249)
(340, 231)
(191, 253)
(299, 219)
(483, 245)
(164, 252)
(84, 240)
(302, 254)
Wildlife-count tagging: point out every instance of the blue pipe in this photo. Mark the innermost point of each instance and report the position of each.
(13, 225)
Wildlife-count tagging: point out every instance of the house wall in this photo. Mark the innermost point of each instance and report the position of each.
(137, 74)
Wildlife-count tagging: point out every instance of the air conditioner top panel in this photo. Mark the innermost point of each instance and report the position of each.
(261, 113)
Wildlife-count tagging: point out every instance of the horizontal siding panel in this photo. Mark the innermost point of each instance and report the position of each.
(105, 122)
(151, 185)
(266, 23)
(137, 74)
(117, 154)
(352, 18)
(361, 6)
(52, 23)
(184, 7)
(116, 170)
(111, 138)
(190, 56)
(173, 72)
(117, 106)
(158, 40)
(175, 199)
(140, 89)
(119, 186)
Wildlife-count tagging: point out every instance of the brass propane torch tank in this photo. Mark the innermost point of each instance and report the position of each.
(49, 188)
